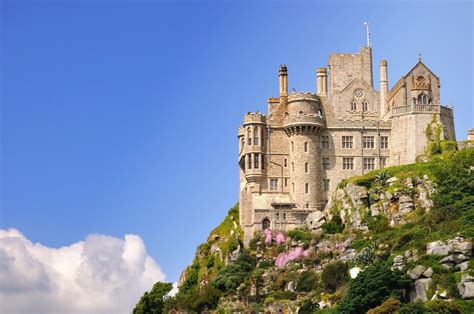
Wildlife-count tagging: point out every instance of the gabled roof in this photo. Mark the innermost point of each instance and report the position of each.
(422, 64)
(399, 83)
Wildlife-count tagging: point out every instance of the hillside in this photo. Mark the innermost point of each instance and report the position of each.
(391, 241)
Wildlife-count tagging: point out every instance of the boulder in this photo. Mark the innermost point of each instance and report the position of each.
(437, 248)
(398, 262)
(428, 273)
(419, 288)
(405, 204)
(466, 287)
(463, 266)
(460, 245)
(348, 255)
(315, 220)
(416, 272)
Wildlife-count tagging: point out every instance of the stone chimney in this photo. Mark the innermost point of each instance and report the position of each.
(383, 87)
(321, 81)
(283, 76)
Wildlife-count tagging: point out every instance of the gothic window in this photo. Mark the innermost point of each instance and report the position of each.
(306, 167)
(249, 136)
(255, 136)
(368, 142)
(354, 106)
(256, 161)
(305, 147)
(422, 99)
(347, 142)
(359, 93)
(306, 188)
(250, 161)
(265, 224)
(369, 163)
(347, 163)
(365, 106)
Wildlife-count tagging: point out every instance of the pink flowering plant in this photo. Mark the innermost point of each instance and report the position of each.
(280, 238)
(268, 236)
(286, 257)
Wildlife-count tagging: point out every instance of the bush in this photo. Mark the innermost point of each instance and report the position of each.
(390, 306)
(334, 276)
(412, 308)
(307, 282)
(334, 225)
(377, 223)
(230, 277)
(283, 295)
(299, 234)
(372, 287)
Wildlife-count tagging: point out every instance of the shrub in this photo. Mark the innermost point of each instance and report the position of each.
(372, 287)
(230, 277)
(390, 306)
(334, 275)
(283, 295)
(377, 223)
(442, 307)
(299, 234)
(412, 308)
(307, 282)
(334, 225)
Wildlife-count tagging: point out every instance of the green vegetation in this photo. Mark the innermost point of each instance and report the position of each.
(230, 277)
(372, 287)
(334, 276)
(153, 301)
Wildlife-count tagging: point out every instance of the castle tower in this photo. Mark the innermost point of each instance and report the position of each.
(383, 88)
(303, 124)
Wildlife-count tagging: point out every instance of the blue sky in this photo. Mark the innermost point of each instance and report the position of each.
(121, 117)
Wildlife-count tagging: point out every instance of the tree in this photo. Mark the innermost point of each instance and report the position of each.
(152, 302)
(372, 287)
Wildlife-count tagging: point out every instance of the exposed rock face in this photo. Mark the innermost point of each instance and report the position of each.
(315, 220)
(466, 287)
(456, 245)
(398, 262)
(419, 288)
(437, 248)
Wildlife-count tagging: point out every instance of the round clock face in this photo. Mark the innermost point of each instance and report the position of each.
(359, 93)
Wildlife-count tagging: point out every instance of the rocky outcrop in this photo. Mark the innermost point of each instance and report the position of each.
(422, 281)
(459, 250)
(466, 286)
(315, 220)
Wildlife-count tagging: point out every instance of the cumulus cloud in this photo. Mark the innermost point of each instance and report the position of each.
(101, 274)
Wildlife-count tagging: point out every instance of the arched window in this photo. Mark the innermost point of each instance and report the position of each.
(301, 112)
(292, 146)
(256, 156)
(293, 187)
(354, 106)
(320, 112)
(265, 224)
(422, 99)
(249, 136)
(365, 106)
(306, 167)
(255, 135)
(306, 188)
(305, 147)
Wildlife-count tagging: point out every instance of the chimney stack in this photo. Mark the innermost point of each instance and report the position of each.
(283, 76)
(321, 81)
(383, 87)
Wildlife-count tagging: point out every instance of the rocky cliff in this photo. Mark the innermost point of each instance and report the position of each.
(391, 241)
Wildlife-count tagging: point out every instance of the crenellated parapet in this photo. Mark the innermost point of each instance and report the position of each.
(254, 118)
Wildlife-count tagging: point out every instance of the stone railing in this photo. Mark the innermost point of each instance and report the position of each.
(418, 108)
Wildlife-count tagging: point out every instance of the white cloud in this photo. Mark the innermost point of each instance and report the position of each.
(102, 274)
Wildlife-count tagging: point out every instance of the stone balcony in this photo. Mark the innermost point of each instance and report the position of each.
(422, 108)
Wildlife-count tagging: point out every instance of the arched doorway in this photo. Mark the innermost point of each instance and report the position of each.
(265, 223)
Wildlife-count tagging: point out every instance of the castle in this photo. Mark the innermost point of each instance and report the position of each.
(291, 160)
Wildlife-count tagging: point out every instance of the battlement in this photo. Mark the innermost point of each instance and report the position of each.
(303, 119)
(254, 117)
(298, 96)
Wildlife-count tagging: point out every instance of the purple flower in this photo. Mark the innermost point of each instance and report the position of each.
(268, 236)
(283, 258)
(280, 238)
